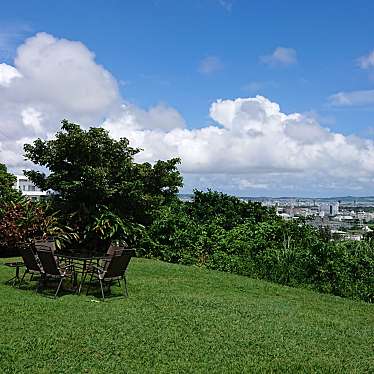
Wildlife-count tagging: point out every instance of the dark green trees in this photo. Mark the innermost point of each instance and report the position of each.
(229, 210)
(92, 173)
(7, 192)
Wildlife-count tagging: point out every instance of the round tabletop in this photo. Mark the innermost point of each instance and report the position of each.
(14, 264)
(80, 256)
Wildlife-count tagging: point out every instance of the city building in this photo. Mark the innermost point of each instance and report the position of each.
(329, 209)
(28, 188)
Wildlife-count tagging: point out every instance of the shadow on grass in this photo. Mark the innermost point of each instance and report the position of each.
(94, 290)
(48, 289)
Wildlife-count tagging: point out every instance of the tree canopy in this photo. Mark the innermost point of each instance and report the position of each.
(230, 210)
(89, 170)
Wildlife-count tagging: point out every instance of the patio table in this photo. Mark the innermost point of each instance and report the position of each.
(81, 261)
(17, 265)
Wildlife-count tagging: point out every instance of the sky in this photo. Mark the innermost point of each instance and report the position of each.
(257, 98)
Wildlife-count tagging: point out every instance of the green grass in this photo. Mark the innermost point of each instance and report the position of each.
(184, 320)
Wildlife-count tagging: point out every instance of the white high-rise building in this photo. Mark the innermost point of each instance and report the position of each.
(28, 188)
(329, 209)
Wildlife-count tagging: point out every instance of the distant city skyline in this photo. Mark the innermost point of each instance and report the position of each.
(256, 98)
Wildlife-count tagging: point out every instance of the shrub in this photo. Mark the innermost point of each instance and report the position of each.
(23, 220)
(286, 252)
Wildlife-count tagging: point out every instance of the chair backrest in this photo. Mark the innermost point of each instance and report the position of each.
(42, 243)
(48, 261)
(116, 250)
(117, 265)
(29, 259)
(119, 243)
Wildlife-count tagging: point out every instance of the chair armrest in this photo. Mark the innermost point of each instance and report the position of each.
(98, 268)
(67, 266)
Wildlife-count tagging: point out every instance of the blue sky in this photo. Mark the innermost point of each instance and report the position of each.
(154, 48)
(188, 54)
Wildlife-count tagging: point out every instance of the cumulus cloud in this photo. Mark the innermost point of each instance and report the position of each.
(250, 145)
(255, 145)
(51, 79)
(68, 69)
(280, 57)
(159, 118)
(352, 98)
(7, 74)
(209, 65)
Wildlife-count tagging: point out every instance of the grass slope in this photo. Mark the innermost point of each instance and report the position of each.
(185, 320)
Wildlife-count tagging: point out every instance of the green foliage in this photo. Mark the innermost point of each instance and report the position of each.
(89, 170)
(103, 195)
(206, 233)
(7, 180)
(109, 227)
(230, 210)
(344, 268)
(24, 220)
(172, 235)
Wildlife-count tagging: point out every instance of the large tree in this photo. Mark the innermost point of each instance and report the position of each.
(7, 180)
(88, 170)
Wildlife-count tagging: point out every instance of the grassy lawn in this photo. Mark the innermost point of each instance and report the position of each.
(184, 320)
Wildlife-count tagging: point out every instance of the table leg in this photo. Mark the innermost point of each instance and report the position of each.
(16, 278)
(17, 273)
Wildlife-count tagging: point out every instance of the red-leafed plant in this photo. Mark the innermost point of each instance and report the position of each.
(23, 220)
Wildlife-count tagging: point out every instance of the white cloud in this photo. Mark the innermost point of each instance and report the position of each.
(67, 69)
(51, 79)
(245, 184)
(256, 142)
(352, 98)
(250, 145)
(7, 74)
(366, 62)
(158, 118)
(209, 65)
(280, 57)
(31, 118)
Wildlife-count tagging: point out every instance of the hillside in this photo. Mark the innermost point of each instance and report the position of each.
(184, 319)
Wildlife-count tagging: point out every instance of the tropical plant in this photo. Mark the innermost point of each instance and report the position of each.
(108, 227)
(24, 220)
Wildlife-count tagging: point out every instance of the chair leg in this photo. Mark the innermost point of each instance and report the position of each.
(74, 280)
(125, 290)
(41, 283)
(31, 278)
(58, 288)
(23, 277)
(89, 284)
(102, 289)
(83, 280)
